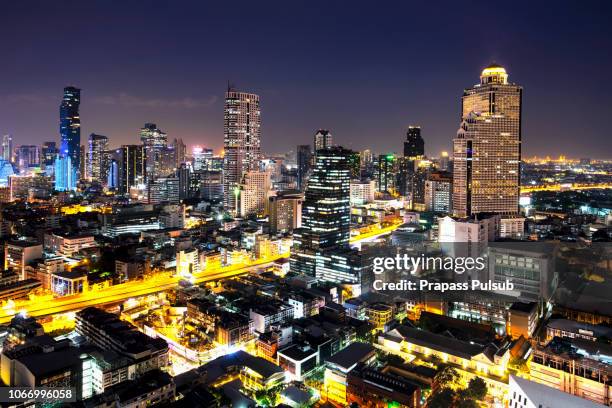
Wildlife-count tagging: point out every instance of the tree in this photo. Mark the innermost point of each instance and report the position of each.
(446, 377)
(465, 403)
(477, 388)
(442, 399)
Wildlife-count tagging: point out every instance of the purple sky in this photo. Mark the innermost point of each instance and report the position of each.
(364, 70)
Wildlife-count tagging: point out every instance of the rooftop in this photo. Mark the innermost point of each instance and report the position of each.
(352, 355)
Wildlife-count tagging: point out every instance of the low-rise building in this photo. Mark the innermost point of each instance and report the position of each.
(530, 394)
(578, 367)
(340, 365)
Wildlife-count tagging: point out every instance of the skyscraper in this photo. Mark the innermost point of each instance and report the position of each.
(322, 139)
(70, 126)
(321, 247)
(7, 148)
(96, 164)
(180, 150)
(414, 146)
(304, 159)
(65, 173)
(241, 132)
(27, 156)
(487, 149)
(48, 153)
(386, 172)
(153, 141)
(131, 166)
(326, 213)
(202, 158)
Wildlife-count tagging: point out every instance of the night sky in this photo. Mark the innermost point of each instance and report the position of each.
(364, 70)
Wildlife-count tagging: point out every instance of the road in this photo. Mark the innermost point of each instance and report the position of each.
(564, 187)
(45, 306)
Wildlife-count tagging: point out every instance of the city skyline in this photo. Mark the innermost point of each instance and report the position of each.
(379, 82)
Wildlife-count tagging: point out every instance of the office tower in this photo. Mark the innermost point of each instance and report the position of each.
(487, 149)
(386, 173)
(180, 151)
(166, 164)
(202, 157)
(253, 193)
(184, 175)
(96, 151)
(27, 156)
(304, 160)
(322, 139)
(355, 165)
(65, 173)
(7, 148)
(321, 247)
(241, 131)
(368, 169)
(20, 253)
(131, 166)
(70, 127)
(6, 171)
(414, 146)
(48, 153)
(112, 179)
(443, 162)
(153, 141)
(438, 192)
(164, 190)
(362, 191)
(207, 184)
(326, 209)
(285, 211)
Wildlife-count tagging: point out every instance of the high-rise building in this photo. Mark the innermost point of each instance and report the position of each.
(27, 156)
(184, 175)
(180, 151)
(326, 210)
(304, 160)
(96, 152)
(443, 162)
(7, 148)
(131, 166)
(202, 157)
(487, 149)
(386, 172)
(322, 139)
(153, 141)
(241, 131)
(253, 193)
(48, 153)
(438, 192)
(414, 146)
(70, 127)
(321, 247)
(164, 190)
(65, 173)
(285, 211)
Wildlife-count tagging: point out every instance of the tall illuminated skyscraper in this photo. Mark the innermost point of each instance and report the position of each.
(304, 161)
(7, 148)
(322, 139)
(414, 146)
(70, 126)
(65, 173)
(321, 247)
(487, 149)
(96, 164)
(241, 132)
(153, 141)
